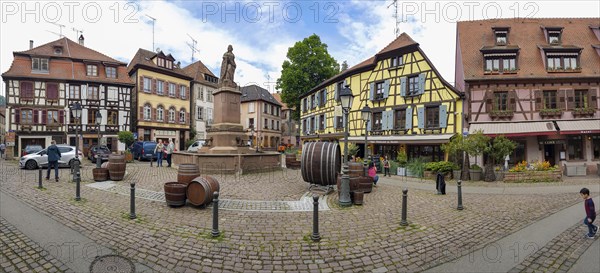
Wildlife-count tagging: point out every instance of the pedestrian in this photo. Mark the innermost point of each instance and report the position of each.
(373, 173)
(170, 149)
(159, 150)
(590, 212)
(53, 157)
(2, 150)
(386, 167)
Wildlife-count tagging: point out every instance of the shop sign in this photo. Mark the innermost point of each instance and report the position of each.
(552, 141)
(10, 136)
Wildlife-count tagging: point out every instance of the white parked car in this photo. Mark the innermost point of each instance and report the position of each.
(35, 160)
(195, 146)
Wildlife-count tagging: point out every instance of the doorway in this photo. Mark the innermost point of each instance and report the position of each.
(549, 154)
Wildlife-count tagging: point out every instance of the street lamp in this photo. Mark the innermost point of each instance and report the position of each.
(98, 122)
(366, 115)
(346, 98)
(76, 112)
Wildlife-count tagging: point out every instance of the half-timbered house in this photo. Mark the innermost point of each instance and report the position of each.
(44, 81)
(413, 107)
(203, 86)
(162, 100)
(535, 81)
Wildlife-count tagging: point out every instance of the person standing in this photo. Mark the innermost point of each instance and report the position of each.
(170, 149)
(53, 156)
(159, 150)
(590, 212)
(2, 150)
(386, 167)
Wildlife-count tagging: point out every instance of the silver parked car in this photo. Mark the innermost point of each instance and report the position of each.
(35, 160)
(196, 146)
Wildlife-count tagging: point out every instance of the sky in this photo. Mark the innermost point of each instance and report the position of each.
(260, 31)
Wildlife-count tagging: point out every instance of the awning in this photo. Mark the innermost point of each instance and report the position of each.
(404, 139)
(533, 128)
(585, 126)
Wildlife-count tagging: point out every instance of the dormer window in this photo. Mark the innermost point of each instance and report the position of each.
(92, 70)
(500, 62)
(396, 61)
(111, 72)
(562, 61)
(501, 35)
(39, 65)
(553, 35)
(169, 64)
(160, 62)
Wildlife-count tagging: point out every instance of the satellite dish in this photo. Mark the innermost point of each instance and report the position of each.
(158, 49)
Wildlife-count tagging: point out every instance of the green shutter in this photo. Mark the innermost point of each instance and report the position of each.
(386, 88)
(422, 78)
(372, 91)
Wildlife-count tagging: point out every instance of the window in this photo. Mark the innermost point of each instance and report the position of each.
(508, 63)
(160, 87)
(26, 90)
(565, 61)
(52, 91)
(111, 72)
(379, 91)
(200, 91)
(199, 110)
(91, 116)
(160, 113)
(147, 85)
(304, 126)
(313, 125)
(272, 124)
(112, 94)
(209, 95)
(596, 147)
(52, 117)
(209, 113)
(413, 85)
(172, 88)
(113, 118)
(92, 70)
(27, 116)
(147, 112)
(169, 64)
(501, 38)
(172, 115)
(251, 107)
(251, 123)
(396, 61)
(266, 124)
(323, 97)
(581, 98)
(432, 117)
(501, 101)
(554, 37)
(182, 92)
(400, 119)
(39, 65)
(339, 122)
(304, 105)
(277, 125)
(340, 86)
(313, 100)
(160, 62)
(322, 122)
(550, 100)
(376, 121)
(92, 93)
(575, 148)
(74, 92)
(182, 116)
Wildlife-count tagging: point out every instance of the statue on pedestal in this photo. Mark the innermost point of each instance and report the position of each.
(228, 69)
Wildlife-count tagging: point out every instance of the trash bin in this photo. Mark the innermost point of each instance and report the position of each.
(440, 184)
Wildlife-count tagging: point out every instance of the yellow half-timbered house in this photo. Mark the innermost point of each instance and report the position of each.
(413, 107)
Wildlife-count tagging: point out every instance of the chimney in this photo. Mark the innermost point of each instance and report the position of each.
(30, 44)
(81, 40)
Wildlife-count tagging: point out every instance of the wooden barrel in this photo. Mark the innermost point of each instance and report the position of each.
(100, 174)
(357, 197)
(355, 169)
(200, 190)
(175, 193)
(354, 183)
(365, 184)
(291, 162)
(104, 165)
(116, 167)
(187, 173)
(321, 162)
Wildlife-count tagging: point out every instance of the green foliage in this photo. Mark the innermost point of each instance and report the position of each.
(352, 149)
(500, 148)
(475, 144)
(126, 137)
(291, 150)
(189, 142)
(308, 64)
(441, 166)
(402, 158)
(394, 166)
(475, 167)
(416, 166)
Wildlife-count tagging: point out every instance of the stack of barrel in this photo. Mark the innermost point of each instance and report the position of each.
(190, 186)
(359, 183)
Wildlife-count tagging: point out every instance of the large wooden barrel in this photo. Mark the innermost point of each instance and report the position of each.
(187, 173)
(200, 190)
(116, 167)
(356, 169)
(100, 174)
(175, 193)
(354, 183)
(321, 162)
(291, 162)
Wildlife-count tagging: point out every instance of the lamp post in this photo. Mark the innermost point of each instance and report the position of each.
(76, 112)
(98, 122)
(346, 98)
(366, 115)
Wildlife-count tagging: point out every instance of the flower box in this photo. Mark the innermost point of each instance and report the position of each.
(501, 114)
(533, 176)
(583, 111)
(551, 112)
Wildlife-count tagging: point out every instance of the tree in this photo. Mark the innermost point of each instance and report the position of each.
(344, 66)
(498, 149)
(308, 64)
(456, 147)
(126, 137)
(476, 144)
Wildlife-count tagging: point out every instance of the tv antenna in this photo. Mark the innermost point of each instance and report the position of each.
(397, 28)
(153, 21)
(193, 45)
(77, 33)
(60, 29)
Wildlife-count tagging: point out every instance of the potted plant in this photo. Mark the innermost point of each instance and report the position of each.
(402, 161)
(456, 148)
(415, 167)
(475, 172)
(126, 138)
(393, 166)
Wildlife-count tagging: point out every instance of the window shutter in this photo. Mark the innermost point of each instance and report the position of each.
(44, 116)
(422, 78)
(187, 117)
(384, 119)
(336, 93)
(36, 119)
(409, 118)
(369, 127)
(308, 127)
(153, 86)
(421, 117)
(152, 114)
(61, 116)
(51, 91)
(177, 88)
(489, 101)
(560, 96)
(187, 92)
(390, 120)
(17, 116)
(443, 116)
(403, 86)
(141, 83)
(512, 100)
(592, 99)
(386, 88)
(324, 97)
(372, 91)
(317, 123)
(317, 101)
(538, 99)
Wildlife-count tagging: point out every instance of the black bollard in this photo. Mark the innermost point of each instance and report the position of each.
(132, 202)
(315, 235)
(40, 186)
(460, 206)
(438, 183)
(151, 158)
(403, 222)
(77, 181)
(215, 228)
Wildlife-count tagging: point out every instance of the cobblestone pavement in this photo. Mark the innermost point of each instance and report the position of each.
(19, 254)
(357, 239)
(560, 254)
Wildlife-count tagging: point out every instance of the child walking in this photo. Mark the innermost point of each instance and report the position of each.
(590, 212)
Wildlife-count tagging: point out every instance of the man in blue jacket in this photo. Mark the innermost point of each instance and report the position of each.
(53, 157)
